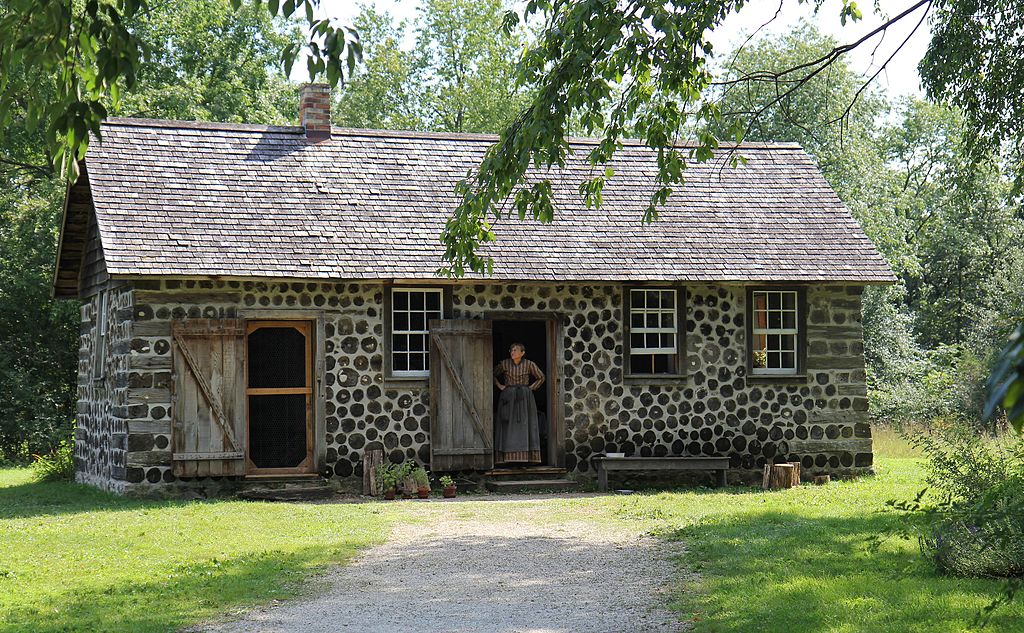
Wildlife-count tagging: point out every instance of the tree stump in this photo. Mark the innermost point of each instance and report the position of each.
(780, 476)
(371, 459)
(821, 480)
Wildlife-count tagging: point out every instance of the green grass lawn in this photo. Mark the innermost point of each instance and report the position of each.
(75, 559)
(800, 560)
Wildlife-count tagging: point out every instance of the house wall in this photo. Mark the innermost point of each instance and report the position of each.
(101, 433)
(820, 419)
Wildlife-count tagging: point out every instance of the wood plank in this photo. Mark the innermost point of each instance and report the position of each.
(207, 392)
(187, 297)
(151, 328)
(456, 381)
(842, 445)
(136, 361)
(208, 456)
(159, 395)
(465, 450)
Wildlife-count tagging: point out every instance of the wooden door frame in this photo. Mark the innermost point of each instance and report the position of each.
(307, 327)
(556, 418)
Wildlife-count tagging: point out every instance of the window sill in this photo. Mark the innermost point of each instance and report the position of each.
(398, 382)
(654, 379)
(777, 379)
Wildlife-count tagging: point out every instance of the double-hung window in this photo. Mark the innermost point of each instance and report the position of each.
(775, 332)
(412, 309)
(653, 319)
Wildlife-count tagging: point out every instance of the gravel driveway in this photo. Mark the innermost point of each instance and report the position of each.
(479, 567)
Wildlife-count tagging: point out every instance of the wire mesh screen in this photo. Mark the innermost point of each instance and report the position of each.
(277, 430)
(277, 358)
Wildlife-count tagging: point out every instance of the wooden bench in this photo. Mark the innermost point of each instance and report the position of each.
(606, 464)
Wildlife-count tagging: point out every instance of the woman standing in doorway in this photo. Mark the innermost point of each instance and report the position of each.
(517, 433)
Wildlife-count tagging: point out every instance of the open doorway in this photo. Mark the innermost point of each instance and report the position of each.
(534, 335)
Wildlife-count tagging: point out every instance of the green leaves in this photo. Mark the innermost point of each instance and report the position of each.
(1006, 385)
(618, 70)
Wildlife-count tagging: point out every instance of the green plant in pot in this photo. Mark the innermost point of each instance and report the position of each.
(387, 478)
(406, 480)
(448, 485)
(422, 482)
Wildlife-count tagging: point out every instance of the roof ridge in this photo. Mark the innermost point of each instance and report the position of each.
(406, 134)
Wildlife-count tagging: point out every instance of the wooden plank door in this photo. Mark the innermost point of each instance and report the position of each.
(208, 404)
(461, 387)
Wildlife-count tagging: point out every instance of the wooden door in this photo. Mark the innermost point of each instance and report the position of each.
(279, 390)
(208, 404)
(461, 384)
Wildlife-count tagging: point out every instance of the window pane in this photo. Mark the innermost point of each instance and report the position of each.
(417, 342)
(401, 321)
(641, 364)
(652, 341)
(668, 299)
(415, 300)
(400, 299)
(773, 360)
(774, 301)
(433, 315)
(636, 299)
(636, 319)
(787, 343)
(668, 341)
(652, 320)
(774, 320)
(667, 319)
(789, 300)
(417, 321)
(416, 362)
(400, 362)
(760, 301)
(789, 320)
(760, 342)
(434, 301)
(400, 342)
(636, 341)
(789, 360)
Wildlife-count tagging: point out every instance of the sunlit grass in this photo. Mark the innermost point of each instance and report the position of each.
(76, 559)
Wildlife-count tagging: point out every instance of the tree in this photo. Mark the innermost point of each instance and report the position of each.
(459, 76)
(383, 91)
(468, 65)
(206, 61)
(92, 53)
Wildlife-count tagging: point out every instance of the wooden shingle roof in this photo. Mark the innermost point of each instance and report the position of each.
(183, 199)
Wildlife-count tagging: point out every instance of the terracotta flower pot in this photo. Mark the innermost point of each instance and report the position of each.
(389, 494)
(423, 493)
(449, 492)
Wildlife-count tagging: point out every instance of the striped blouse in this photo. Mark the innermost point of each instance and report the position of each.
(508, 373)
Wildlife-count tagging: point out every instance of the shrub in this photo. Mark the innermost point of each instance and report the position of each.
(976, 528)
(58, 465)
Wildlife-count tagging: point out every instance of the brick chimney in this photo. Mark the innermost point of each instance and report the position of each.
(315, 111)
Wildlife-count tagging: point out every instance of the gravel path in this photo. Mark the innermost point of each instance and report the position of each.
(501, 572)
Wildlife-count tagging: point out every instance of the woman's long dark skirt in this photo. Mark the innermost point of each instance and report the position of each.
(516, 431)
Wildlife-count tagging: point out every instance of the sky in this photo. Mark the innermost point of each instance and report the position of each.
(900, 78)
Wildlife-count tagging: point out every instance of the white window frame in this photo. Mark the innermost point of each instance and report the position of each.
(674, 331)
(770, 331)
(413, 373)
(100, 339)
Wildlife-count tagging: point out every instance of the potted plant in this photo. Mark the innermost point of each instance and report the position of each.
(405, 478)
(449, 486)
(422, 482)
(386, 478)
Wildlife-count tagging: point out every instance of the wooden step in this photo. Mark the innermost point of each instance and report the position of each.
(531, 485)
(293, 493)
(532, 472)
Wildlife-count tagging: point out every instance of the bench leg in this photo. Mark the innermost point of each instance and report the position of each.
(722, 481)
(602, 478)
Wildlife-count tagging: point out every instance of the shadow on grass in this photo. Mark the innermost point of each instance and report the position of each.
(31, 499)
(187, 594)
(790, 571)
